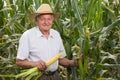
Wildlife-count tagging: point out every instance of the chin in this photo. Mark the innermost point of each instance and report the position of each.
(46, 29)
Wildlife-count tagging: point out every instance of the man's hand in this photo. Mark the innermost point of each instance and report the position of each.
(74, 62)
(41, 65)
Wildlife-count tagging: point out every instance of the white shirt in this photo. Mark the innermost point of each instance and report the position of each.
(34, 46)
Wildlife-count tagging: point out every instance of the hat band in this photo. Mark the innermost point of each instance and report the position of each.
(44, 12)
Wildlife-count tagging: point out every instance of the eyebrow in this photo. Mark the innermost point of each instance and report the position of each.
(43, 14)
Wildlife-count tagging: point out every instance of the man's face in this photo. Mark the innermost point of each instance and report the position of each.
(45, 22)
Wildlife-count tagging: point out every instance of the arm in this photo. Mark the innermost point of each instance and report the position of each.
(66, 62)
(74, 62)
(25, 63)
(28, 64)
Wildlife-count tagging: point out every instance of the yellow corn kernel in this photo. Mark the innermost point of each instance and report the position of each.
(55, 58)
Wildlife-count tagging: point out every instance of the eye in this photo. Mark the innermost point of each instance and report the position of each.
(49, 19)
(42, 19)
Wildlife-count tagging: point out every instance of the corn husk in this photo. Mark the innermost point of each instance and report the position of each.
(29, 73)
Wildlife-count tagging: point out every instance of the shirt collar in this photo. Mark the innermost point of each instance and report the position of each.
(39, 34)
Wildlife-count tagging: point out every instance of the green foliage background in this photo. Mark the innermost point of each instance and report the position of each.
(93, 25)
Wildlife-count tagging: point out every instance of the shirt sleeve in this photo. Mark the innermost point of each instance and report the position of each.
(62, 49)
(23, 48)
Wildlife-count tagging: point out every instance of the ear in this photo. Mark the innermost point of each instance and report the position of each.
(36, 22)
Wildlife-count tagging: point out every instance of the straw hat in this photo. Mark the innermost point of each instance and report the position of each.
(43, 9)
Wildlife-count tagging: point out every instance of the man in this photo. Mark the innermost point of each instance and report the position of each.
(41, 43)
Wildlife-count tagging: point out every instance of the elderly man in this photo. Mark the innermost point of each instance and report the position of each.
(41, 43)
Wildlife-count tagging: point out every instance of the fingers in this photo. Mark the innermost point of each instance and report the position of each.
(75, 62)
(81, 57)
(41, 65)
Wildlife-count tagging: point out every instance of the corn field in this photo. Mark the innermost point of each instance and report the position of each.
(88, 27)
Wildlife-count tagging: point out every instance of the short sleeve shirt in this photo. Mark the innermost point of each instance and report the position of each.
(34, 46)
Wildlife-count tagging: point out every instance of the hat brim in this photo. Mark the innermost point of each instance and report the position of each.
(34, 15)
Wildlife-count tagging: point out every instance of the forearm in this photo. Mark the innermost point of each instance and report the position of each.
(25, 63)
(66, 62)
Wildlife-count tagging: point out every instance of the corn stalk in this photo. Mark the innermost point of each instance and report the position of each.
(100, 17)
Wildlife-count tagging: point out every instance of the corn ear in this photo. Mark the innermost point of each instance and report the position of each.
(55, 58)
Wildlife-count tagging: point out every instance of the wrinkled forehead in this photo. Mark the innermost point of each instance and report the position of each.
(44, 16)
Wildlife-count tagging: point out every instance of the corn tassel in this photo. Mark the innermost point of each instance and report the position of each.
(36, 70)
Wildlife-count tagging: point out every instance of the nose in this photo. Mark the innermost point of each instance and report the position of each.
(46, 21)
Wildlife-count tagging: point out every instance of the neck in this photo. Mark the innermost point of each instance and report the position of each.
(45, 32)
